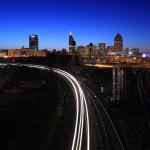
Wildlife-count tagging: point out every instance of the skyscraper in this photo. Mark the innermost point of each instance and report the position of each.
(72, 43)
(102, 48)
(118, 43)
(34, 42)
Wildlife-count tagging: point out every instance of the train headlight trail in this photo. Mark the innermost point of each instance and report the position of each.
(82, 113)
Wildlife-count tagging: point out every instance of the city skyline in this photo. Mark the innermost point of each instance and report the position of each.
(89, 21)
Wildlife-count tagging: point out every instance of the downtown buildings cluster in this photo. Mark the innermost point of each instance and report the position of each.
(31, 51)
(105, 54)
(87, 54)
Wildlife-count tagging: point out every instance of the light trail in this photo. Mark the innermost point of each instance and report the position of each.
(143, 97)
(99, 65)
(100, 117)
(106, 115)
(82, 113)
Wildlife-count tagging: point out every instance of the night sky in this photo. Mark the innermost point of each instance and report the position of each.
(89, 21)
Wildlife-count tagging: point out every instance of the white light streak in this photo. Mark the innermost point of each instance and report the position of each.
(82, 114)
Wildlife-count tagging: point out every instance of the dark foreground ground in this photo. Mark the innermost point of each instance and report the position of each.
(35, 109)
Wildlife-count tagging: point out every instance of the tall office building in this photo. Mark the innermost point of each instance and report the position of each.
(92, 50)
(102, 48)
(110, 49)
(118, 43)
(72, 43)
(34, 42)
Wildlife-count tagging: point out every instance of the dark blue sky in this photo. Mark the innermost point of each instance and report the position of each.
(89, 21)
